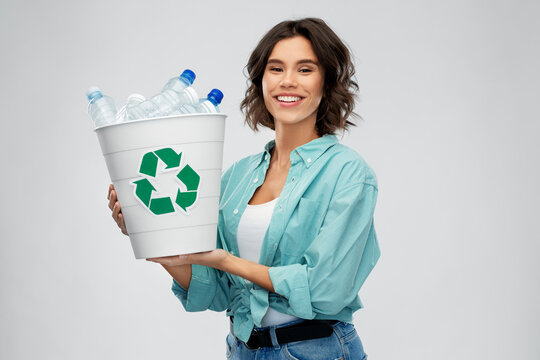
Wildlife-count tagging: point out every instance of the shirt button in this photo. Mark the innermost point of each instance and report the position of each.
(255, 180)
(235, 211)
(275, 246)
(309, 160)
(292, 179)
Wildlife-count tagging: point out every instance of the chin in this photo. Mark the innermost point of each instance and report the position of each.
(307, 124)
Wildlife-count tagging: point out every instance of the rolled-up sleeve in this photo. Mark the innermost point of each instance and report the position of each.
(338, 260)
(208, 290)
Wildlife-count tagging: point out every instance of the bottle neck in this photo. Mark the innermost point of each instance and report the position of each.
(94, 96)
(208, 107)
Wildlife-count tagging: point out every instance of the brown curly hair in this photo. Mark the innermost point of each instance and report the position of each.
(337, 103)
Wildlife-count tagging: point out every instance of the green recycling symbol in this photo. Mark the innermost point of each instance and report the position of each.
(144, 188)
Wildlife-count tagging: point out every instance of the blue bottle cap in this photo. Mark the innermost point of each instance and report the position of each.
(93, 92)
(215, 96)
(188, 76)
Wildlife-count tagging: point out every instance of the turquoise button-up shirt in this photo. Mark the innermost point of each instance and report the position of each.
(320, 245)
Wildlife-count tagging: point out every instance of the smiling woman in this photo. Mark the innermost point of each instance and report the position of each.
(330, 57)
(292, 84)
(296, 239)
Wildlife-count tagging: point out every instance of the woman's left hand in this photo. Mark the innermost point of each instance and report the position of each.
(214, 258)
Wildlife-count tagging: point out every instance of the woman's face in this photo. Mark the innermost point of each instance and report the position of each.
(293, 82)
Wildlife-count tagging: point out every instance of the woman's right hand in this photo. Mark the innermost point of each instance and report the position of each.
(114, 205)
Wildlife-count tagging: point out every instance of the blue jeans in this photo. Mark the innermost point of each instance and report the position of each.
(344, 343)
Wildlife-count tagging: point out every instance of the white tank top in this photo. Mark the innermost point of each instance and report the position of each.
(251, 231)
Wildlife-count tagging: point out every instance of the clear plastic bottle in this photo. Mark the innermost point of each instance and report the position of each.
(208, 105)
(177, 92)
(132, 100)
(101, 108)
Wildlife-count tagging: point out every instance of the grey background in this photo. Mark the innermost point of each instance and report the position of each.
(449, 95)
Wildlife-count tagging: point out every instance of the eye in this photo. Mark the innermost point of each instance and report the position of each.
(275, 69)
(305, 70)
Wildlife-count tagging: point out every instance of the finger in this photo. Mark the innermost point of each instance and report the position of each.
(167, 260)
(116, 212)
(157, 259)
(121, 219)
(112, 199)
(122, 224)
(111, 188)
(161, 261)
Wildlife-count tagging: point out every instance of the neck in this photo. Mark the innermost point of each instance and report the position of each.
(288, 138)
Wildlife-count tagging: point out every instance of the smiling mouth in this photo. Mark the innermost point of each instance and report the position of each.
(288, 99)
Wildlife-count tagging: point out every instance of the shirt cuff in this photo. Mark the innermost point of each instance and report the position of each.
(202, 289)
(291, 282)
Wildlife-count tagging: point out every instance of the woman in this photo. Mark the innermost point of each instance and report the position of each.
(295, 236)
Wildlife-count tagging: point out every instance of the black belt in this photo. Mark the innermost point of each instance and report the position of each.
(305, 330)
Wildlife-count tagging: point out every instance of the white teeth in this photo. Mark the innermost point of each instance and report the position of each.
(289, 98)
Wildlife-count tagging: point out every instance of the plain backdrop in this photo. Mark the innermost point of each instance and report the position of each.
(449, 95)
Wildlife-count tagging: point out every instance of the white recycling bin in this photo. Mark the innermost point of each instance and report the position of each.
(167, 174)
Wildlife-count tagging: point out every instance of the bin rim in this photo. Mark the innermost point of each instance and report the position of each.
(160, 117)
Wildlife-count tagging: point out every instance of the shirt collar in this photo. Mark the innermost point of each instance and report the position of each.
(308, 152)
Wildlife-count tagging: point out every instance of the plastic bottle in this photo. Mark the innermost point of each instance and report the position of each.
(132, 100)
(176, 92)
(208, 105)
(101, 108)
(181, 82)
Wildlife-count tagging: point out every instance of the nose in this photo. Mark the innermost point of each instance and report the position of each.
(288, 80)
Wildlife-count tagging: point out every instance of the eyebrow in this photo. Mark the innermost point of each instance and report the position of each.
(303, 61)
